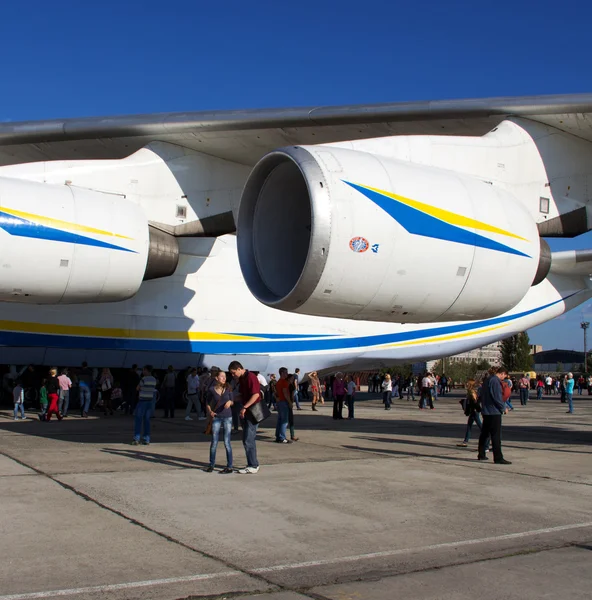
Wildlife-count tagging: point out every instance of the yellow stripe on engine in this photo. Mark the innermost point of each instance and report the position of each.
(58, 224)
(445, 215)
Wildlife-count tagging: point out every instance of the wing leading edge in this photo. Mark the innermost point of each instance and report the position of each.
(245, 135)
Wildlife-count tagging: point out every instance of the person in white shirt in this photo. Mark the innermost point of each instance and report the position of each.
(192, 394)
(350, 386)
(387, 388)
(548, 385)
(427, 384)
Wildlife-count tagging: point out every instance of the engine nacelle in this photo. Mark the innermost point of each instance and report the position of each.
(340, 233)
(60, 244)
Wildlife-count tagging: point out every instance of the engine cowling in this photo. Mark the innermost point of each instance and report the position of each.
(341, 233)
(60, 244)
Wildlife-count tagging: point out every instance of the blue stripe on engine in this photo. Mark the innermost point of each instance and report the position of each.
(23, 228)
(419, 223)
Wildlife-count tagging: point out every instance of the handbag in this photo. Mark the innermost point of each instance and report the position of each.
(258, 412)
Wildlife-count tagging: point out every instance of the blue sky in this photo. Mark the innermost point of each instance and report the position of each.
(65, 59)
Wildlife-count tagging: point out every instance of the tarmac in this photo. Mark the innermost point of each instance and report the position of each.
(383, 506)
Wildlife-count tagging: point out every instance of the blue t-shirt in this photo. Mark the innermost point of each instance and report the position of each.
(569, 386)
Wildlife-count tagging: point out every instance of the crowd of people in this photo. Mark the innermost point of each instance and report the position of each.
(238, 398)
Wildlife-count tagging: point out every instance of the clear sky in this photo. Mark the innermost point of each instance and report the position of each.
(65, 59)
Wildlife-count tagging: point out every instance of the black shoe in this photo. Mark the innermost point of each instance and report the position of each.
(483, 458)
(226, 471)
(210, 470)
(503, 461)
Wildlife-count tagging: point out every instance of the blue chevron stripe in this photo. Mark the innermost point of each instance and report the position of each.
(20, 227)
(419, 223)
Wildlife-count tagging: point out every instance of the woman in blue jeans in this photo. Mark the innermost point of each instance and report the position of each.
(220, 403)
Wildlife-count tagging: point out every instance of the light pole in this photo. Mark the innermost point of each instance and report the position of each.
(584, 325)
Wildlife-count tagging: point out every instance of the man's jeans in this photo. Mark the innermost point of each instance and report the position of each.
(250, 442)
(142, 417)
(193, 400)
(64, 402)
(539, 393)
(570, 400)
(217, 423)
(523, 396)
(236, 410)
(473, 418)
(282, 421)
(296, 394)
(84, 393)
(19, 407)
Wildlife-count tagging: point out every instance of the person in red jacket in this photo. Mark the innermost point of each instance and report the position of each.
(52, 386)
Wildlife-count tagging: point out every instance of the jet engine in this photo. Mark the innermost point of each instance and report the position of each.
(340, 233)
(61, 244)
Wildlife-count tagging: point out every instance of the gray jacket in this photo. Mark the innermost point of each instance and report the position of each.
(492, 402)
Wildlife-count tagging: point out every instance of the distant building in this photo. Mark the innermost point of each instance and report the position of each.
(569, 360)
(535, 348)
(490, 353)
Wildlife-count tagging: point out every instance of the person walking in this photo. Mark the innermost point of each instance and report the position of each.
(85, 379)
(193, 388)
(472, 408)
(315, 386)
(350, 397)
(292, 383)
(105, 386)
(548, 385)
(282, 399)
(569, 388)
(524, 387)
(338, 396)
(143, 412)
(65, 385)
(387, 388)
(540, 386)
(250, 391)
(426, 397)
(507, 386)
(581, 384)
(168, 388)
(492, 408)
(271, 402)
(53, 389)
(220, 400)
(18, 396)
(296, 393)
(411, 388)
(43, 402)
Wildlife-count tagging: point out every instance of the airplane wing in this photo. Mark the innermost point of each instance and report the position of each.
(244, 136)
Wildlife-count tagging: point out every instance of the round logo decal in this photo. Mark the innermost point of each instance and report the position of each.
(359, 244)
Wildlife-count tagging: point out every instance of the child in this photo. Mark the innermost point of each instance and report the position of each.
(43, 401)
(18, 395)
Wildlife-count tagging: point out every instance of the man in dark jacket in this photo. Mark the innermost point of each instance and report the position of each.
(492, 409)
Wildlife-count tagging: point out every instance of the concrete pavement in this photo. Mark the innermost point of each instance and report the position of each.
(385, 505)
